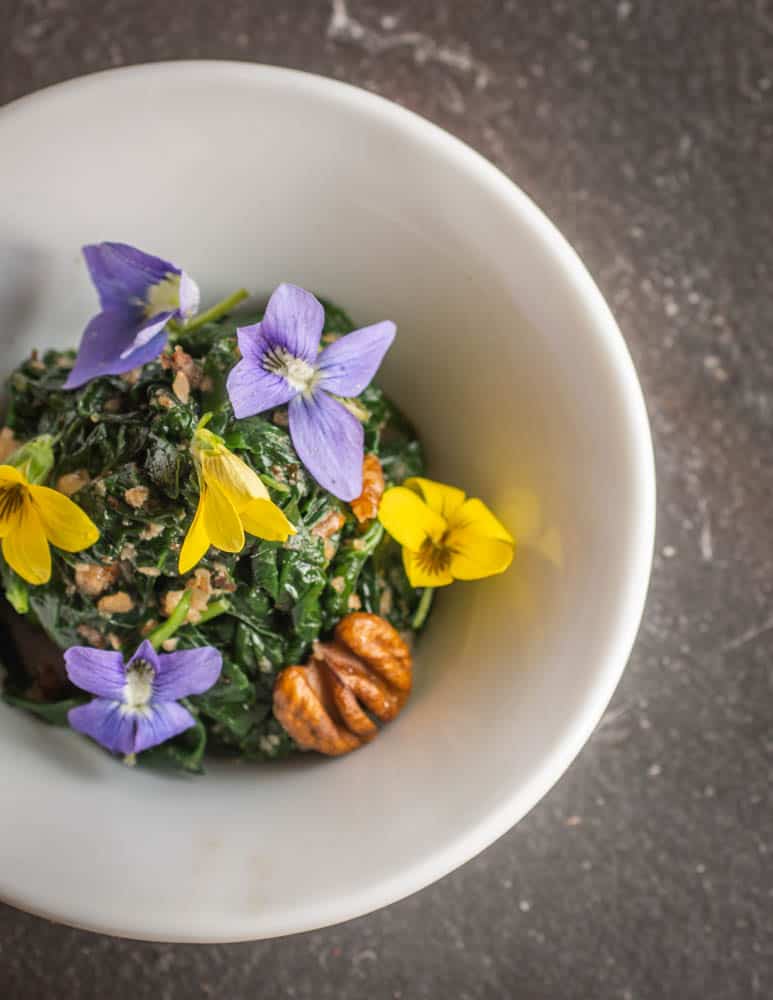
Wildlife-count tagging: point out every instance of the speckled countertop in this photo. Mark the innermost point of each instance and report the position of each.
(645, 129)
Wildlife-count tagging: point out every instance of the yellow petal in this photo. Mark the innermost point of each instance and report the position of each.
(419, 575)
(10, 476)
(65, 524)
(444, 500)
(475, 556)
(265, 520)
(408, 519)
(234, 477)
(12, 498)
(25, 547)
(196, 541)
(221, 522)
(475, 516)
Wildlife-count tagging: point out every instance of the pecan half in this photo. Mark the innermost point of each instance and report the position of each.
(365, 507)
(329, 705)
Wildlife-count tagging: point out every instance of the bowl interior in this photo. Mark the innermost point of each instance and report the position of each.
(511, 367)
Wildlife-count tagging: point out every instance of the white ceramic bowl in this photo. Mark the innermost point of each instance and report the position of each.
(509, 362)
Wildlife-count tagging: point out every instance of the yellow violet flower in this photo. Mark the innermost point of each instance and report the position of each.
(31, 518)
(232, 500)
(445, 536)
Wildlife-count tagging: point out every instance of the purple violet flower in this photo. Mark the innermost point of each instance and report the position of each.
(280, 364)
(136, 704)
(139, 294)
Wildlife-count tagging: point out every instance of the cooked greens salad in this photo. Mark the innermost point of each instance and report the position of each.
(196, 502)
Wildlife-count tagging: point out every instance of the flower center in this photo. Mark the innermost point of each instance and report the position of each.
(138, 689)
(434, 557)
(11, 500)
(164, 296)
(295, 371)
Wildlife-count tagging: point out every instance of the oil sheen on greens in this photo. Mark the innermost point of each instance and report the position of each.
(280, 597)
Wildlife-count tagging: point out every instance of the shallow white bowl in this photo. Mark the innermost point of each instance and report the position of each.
(509, 362)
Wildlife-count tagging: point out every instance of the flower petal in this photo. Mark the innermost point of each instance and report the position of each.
(196, 541)
(147, 654)
(189, 296)
(10, 479)
(221, 521)
(10, 476)
(122, 273)
(329, 442)
(294, 320)
(348, 365)
(236, 479)
(105, 722)
(419, 575)
(105, 340)
(164, 720)
(475, 556)
(264, 519)
(475, 516)
(444, 500)
(98, 671)
(64, 523)
(409, 520)
(25, 547)
(144, 335)
(188, 671)
(252, 389)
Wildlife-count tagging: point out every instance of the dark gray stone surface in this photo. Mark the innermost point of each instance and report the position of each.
(645, 129)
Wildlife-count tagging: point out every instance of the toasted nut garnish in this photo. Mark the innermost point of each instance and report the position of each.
(71, 482)
(93, 579)
(8, 443)
(181, 387)
(328, 705)
(118, 603)
(137, 496)
(365, 507)
(329, 525)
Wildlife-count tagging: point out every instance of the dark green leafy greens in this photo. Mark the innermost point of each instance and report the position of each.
(124, 441)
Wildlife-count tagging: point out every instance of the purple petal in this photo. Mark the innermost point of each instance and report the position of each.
(107, 338)
(122, 274)
(164, 720)
(98, 671)
(252, 390)
(144, 335)
(349, 364)
(188, 671)
(329, 442)
(105, 722)
(146, 652)
(189, 296)
(293, 319)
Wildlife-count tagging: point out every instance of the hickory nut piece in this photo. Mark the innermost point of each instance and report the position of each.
(328, 704)
(366, 506)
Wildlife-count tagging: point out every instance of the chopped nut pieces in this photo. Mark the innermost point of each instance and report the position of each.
(71, 482)
(329, 525)
(118, 603)
(366, 671)
(91, 635)
(8, 443)
(181, 387)
(365, 507)
(93, 579)
(137, 496)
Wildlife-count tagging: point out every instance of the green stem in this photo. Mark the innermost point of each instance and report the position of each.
(423, 609)
(217, 311)
(213, 610)
(174, 621)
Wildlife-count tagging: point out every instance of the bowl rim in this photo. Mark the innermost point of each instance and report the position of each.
(622, 630)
